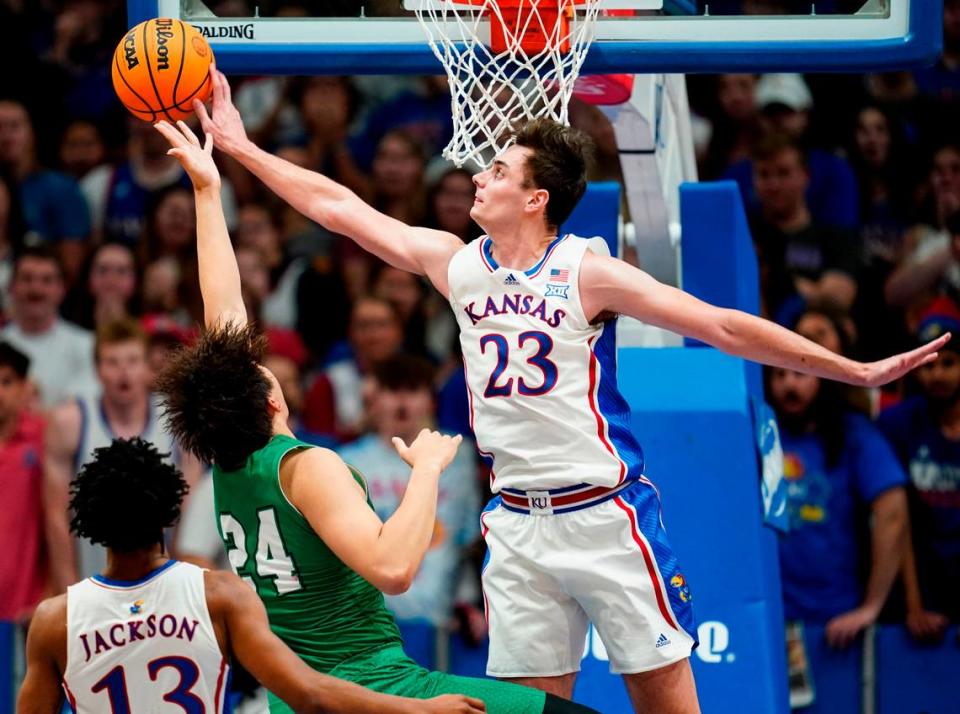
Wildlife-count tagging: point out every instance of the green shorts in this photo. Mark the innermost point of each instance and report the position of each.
(390, 671)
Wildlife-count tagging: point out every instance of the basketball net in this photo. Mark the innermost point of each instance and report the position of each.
(525, 69)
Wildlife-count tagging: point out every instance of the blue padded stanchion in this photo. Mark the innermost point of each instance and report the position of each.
(419, 641)
(465, 659)
(913, 678)
(837, 674)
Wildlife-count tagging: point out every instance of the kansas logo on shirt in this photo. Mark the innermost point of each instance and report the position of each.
(136, 608)
(679, 583)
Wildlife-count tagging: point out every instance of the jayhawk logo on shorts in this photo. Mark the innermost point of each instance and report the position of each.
(679, 583)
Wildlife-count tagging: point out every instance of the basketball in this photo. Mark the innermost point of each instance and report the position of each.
(160, 67)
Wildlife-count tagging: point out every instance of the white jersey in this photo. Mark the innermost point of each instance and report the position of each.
(143, 646)
(542, 380)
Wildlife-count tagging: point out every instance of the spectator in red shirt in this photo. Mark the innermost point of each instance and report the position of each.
(23, 560)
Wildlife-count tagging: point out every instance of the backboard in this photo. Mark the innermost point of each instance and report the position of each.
(638, 36)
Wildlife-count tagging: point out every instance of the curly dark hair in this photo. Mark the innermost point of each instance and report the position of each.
(559, 163)
(126, 496)
(215, 395)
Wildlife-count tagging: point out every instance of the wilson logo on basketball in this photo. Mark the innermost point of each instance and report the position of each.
(164, 35)
(160, 67)
(130, 51)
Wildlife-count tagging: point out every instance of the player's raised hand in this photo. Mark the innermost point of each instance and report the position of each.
(223, 121)
(451, 704)
(197, 159)
(430, 447)
(891, 368)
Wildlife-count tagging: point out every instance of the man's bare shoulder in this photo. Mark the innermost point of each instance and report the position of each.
(314, 468)
(49, 623)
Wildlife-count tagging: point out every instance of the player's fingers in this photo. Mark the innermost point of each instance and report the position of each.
(226, 86)
(399, 445)
(169, 133)
(208, 143)
(476, 704)
(928, 359)
(218, 97)
(201, 111)
(933, 345)
(188, 132)
(175, 153)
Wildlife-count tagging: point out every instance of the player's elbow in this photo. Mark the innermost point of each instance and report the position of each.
(722, 330)
(335, 212)
(395, 579)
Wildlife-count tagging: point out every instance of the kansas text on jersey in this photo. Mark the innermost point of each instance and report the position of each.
(541, 378)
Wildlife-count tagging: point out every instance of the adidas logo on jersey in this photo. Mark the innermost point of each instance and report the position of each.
(662, 641)
(511, 280)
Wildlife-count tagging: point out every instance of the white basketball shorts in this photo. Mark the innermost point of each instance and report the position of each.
(550, 571)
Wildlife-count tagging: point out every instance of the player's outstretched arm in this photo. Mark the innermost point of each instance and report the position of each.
(266, 657)
(335, 207)
(610, 285)
(385, 554)
(219, 275)
(46, 650)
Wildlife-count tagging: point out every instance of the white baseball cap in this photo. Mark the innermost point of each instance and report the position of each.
(787, 89)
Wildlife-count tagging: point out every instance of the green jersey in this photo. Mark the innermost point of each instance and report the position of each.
(323, 610)
(326, 613)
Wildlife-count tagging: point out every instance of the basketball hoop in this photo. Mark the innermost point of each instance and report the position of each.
(525, 68)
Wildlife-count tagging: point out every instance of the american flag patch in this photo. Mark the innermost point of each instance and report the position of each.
(558, 275)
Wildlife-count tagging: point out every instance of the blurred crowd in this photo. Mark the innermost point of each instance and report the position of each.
(851, 182)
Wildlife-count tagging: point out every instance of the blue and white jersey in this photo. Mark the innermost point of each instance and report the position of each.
(143, 646)
(542, 380)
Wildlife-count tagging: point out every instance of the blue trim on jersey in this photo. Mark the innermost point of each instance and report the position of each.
(132, 583)
(646, 505)
(227, 707)
(494, 503)
(488, 254)
(106, 421)
(613, 407)
(83, 434)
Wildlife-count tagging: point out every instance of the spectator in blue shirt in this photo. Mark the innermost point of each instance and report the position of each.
(53, 206)
(925, 433)
(785, 103)
(837, 464)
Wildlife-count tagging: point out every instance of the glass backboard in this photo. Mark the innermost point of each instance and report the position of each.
(635, 36)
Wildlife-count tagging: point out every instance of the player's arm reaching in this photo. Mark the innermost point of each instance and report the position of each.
(419, 250)
(219, 274)
(239, 616)
(610, 285)
(386, 555)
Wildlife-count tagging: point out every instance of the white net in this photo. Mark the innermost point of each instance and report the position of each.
(507, 61)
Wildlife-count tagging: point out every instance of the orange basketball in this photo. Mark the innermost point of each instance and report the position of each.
(160, 67)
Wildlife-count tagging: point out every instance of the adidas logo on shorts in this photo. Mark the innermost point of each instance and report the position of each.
(662, 641)
(511, 280)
